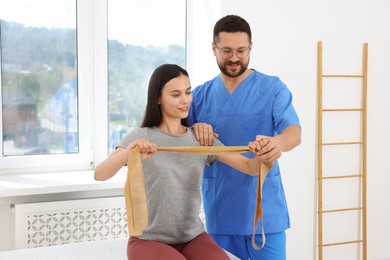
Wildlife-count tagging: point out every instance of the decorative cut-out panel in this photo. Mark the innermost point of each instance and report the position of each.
(64, 222)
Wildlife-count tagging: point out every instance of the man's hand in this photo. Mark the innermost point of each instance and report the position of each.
(204, 133)
(266, 148)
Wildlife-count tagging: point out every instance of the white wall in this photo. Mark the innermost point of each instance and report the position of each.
(201, 16)
(285, 36)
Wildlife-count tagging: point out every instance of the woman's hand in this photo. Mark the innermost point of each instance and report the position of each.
(146, 148)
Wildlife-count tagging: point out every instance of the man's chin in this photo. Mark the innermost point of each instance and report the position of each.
(233, 74)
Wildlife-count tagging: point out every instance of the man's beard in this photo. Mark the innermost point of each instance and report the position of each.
(236, 74)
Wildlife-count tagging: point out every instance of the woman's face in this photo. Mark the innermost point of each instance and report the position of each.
(176, 97)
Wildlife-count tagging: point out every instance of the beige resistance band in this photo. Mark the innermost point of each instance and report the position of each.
(137, 213)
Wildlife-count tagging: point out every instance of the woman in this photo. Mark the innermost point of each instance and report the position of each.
(172, 181)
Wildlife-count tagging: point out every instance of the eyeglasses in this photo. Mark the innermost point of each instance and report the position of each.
(227, 53)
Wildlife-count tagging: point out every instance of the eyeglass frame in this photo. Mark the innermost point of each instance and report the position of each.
(223, 52)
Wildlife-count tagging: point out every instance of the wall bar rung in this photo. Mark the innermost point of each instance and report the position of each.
(342, 143)
(342, 76)
(342, 176)
(341, 109)
(341, 210)
(343, 243)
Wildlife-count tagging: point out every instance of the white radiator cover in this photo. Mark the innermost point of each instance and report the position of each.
(70, 221)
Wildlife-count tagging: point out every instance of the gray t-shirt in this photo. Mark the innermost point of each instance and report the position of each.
(172, 186)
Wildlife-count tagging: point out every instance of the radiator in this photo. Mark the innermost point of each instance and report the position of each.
(70, 221)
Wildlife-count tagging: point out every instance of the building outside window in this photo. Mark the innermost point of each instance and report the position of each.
(39, 78)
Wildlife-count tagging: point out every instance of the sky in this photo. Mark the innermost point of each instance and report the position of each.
(39, 13)
(163, 24)
(146, 22)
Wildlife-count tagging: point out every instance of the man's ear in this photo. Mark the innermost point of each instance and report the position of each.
(214, 47)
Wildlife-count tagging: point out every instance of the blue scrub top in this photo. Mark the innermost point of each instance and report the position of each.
(260, 105)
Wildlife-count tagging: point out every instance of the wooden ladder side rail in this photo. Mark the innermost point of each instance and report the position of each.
(319, 148)
(364, 149)
(363, 143)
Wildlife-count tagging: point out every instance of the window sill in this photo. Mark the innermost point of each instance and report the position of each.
(59, 182)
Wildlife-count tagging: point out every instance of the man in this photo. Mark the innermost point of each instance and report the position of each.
(240, 104)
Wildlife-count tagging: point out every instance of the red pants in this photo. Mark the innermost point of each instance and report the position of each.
(201, 247)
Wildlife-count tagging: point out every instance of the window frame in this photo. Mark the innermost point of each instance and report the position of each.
(84, 159)
(92, 63)
(92, 50)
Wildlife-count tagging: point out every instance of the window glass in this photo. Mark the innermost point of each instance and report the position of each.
(142, 35)
(39, 90)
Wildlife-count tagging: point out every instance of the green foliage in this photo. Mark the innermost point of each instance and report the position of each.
(30, 59)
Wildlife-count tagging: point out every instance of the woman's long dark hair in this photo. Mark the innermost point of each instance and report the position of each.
(160, 76)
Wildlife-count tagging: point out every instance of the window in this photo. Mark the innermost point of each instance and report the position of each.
(140, 39)
(73, 83)
(39, 79)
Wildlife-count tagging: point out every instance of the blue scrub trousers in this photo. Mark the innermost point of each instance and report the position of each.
(241, 246)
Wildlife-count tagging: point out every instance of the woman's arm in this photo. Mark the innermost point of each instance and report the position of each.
(118, 158)
(110, 166)
(243, 164)
(285, 141)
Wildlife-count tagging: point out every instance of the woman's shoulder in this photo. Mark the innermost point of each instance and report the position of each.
(135, 133)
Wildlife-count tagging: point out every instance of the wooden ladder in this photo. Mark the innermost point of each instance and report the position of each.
(361, 144)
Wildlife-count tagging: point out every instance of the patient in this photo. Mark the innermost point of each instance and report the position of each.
(172, 180)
